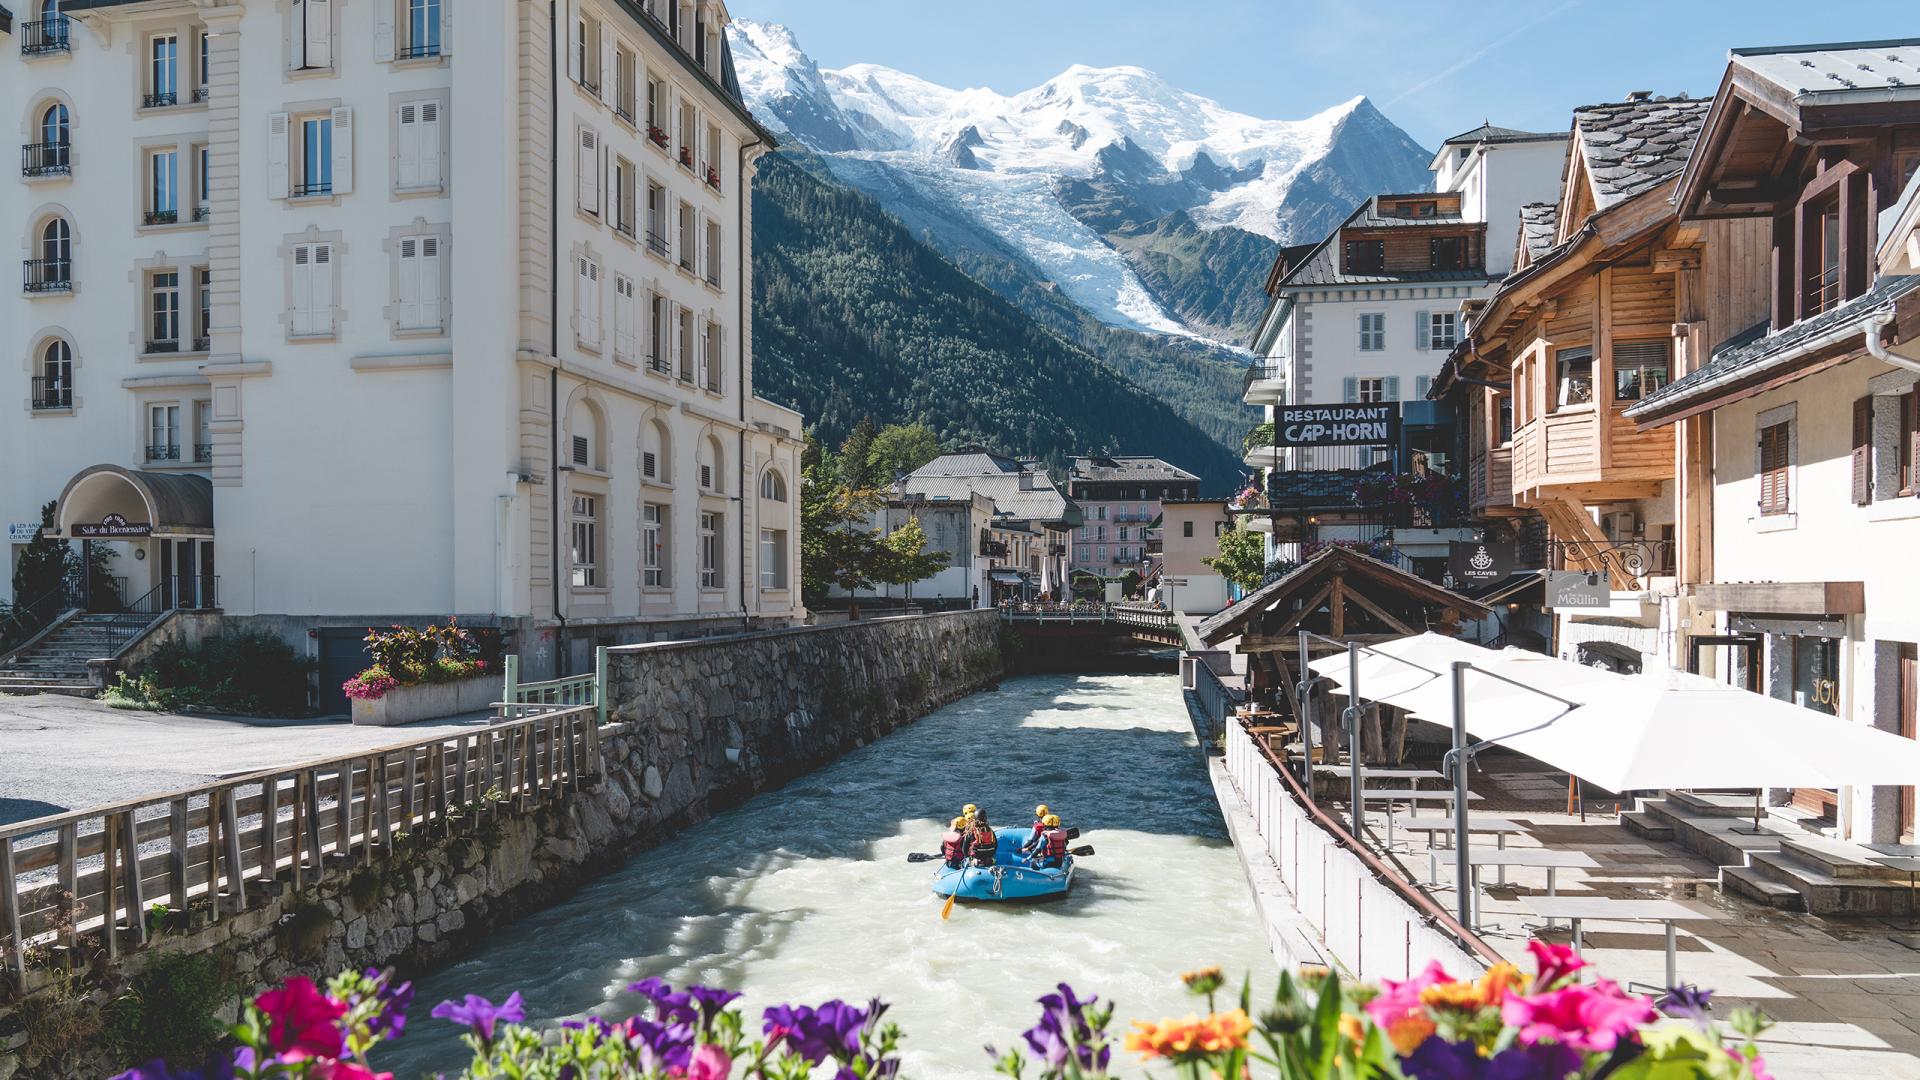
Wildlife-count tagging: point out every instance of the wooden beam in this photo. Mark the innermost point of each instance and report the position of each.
(1306, 609)
(1784, 597)
(1337, 607)
(1381, 614)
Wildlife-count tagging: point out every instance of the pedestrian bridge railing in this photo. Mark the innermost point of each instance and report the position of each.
(1370, 917)
(110, 878)
(588, 689)
(1137, 618)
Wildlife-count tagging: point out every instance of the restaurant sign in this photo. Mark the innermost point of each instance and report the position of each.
(111, 527)
(1337, 425)
(1475, 562)
(1578, 590)
(22, 532)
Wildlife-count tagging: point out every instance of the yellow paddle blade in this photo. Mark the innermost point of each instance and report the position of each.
(946, 909)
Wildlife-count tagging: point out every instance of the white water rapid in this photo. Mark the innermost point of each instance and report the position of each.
(805, 893)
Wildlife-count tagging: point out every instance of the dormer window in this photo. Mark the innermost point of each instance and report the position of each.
(1366, 256)
(1823, 280)
(1448, 252)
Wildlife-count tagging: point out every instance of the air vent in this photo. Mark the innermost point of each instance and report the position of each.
(580, 450)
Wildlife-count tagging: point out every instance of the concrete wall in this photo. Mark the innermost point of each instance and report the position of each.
(695, 727)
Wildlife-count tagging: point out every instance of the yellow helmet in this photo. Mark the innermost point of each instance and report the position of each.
(957, 822)
(1040, 811)
(968, 809)
(1050, 820)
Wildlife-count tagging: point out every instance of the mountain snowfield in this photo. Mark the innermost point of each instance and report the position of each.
(976, 169)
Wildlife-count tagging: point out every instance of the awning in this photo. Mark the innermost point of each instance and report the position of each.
(1009, 577)
(1665, 729)
(107, 502)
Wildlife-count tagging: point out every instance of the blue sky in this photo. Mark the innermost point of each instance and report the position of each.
(1435, 68)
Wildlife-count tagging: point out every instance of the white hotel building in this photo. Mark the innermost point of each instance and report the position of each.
(381, 310)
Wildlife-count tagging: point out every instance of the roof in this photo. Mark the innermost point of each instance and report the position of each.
(1299, 584)
(969, 461)
(1827, 73)
(1631, 146)
(1493, 133)
(943, 478)
(1747, 355)
(1539, 223)
(1322, 267)
(1126, 467)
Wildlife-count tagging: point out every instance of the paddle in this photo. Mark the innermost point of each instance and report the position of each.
(946, 909)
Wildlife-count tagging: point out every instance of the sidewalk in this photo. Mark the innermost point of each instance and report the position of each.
(66, 753)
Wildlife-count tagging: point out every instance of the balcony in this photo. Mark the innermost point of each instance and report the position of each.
(656, 364)
(48, 35)
(313, 189)
(626, 229)
(52, 393)
(591, 86)
(47, 275)
(160, 217)
(202, 212)
(994, 548)
(1265, 383)
(203, 452)
(164, 345)
(46, 159)
(1567, 448)
(164, 452)
(621, 112)
(201, 93)
(162, 100)
(656, 243)
(426, 51)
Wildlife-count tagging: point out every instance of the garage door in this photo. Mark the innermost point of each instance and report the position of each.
(343, 654)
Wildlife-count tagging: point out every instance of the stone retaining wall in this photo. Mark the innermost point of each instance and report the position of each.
(694, 727)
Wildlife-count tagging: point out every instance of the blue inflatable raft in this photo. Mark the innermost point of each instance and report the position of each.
(1009, 878)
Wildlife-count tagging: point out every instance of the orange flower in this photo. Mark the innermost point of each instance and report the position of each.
(1491, 989)
(1408, 1032)
(1500, 980)
(1352, 1028)
(1190, 1038)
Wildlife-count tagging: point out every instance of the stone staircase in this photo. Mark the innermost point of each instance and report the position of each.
(1783, 866)
(57, 663)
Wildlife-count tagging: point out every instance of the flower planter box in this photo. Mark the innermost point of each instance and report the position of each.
(427, 701)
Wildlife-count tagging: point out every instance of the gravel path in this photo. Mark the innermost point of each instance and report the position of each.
(60, 753)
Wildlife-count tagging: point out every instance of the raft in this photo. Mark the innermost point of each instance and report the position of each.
(1009, 878)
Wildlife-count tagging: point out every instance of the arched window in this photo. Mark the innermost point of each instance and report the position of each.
(710, 463)
(656, 460)
(49, 8)
(53, 383)
(53, 125)
(56, 241)
(772, 486)
(585, 429)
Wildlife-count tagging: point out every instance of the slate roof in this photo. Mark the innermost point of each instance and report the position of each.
(973, 469)
(1539, 222)
(1492, 133)
(1748, 352)
(1632, 146)
(1125, 467)
(1817, 74)
(968, 461)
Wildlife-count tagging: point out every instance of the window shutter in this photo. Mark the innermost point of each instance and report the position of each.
(1421, 383)
(277, 156)
(1422, 330)
(409, 282)
(446, 27)
(1911, 403)
(383, 29)
(321, 280)
(428, 141)
(1390, 388)
(319, 34)
(577, 50)
(609, 73)
(580, 455)
(1349, 389)
(623, 319)
(301, 288)
(1862, 451)
(1773, 469)
(589, 172)
(407, 161)
(342, 150)
(433, 306)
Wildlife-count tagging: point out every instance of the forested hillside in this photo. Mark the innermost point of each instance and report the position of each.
(854, 316)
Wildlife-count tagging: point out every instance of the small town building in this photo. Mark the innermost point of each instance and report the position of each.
(1026, 546)
(1120, 496)
(1189, 533)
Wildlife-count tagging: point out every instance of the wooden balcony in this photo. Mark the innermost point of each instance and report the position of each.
(1590, 454)
(1490, 480)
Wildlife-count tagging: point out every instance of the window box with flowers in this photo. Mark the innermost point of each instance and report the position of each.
(421, 673)
(713, 178)
(658, 135)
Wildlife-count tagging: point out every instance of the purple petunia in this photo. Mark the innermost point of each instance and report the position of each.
(663, 1046)
(1063, 1031)
(669, 1005)
(711, 999)
(830, 1031)
(391, 1021)
(480, 1014)
(1687, 1003)
(219, 1065)
(1438, 1059)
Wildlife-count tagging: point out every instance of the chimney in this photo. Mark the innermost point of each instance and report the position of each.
(1026, 480)
(1639, 95)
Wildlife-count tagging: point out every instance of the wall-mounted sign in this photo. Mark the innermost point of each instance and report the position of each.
(111, 527)
(1578, 590)
(1478, 563)
(1337, 425)
(22, 532)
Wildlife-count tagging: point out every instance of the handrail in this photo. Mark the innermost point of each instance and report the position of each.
(1387, 875)
(15, 618)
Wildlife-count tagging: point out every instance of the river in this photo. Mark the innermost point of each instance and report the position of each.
(804, 893)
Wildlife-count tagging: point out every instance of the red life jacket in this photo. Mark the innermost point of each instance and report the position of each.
(1056, 843)
(953, 846)
(984, 843)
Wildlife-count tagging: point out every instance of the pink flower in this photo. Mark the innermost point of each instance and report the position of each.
(709, 1063)
(345, 1070)
(1583, 1017)
(1398, 1000)
(1552, 963)
(301, 1021)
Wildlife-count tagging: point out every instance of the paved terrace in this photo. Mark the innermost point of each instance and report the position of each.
(1845, 991)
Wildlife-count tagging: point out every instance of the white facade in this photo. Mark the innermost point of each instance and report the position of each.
(428, 311)
(1528, 171)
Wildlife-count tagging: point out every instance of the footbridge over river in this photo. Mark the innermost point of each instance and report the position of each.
(1095, 624)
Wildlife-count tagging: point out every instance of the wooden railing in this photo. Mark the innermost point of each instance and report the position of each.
(85, 879)
(588, 689)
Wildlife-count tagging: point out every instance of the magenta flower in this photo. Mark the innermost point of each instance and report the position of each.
(1552, 963)
(480, 1014)
(1398, 1000)
(302, 1022)
(1583, 1017)
(709, 1062)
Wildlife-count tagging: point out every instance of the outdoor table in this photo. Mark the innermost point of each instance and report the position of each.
(1578, 909)
(1371, 772)
(1548, 859)
(1433, 824)
(1909, 863)
(1413, 796)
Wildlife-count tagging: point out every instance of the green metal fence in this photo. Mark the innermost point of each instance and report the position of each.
(588, 689)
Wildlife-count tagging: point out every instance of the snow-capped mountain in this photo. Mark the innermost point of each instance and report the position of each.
(1151, 207)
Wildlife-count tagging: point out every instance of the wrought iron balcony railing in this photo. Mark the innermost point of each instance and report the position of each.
(203, 452)
(656, 243)
(420, 50)
(311, 190)
(47, 275)
(52, 393)
(161, 100)
(46, 159)
(163, 452)
(164, 345)
(48, 35)
(160, 217)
